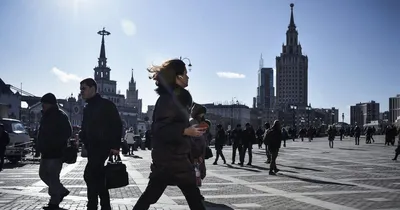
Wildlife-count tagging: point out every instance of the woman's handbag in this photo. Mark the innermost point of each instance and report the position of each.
(116, 174)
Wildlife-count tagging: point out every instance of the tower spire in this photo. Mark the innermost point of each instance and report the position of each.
(261, 61)
(291, 24)
(102, 57)
(132, 77)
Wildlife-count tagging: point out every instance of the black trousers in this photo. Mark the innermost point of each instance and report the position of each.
(156, 187)
(247, 147)
(219, 153)
(238, 147)
(95, 181)
(274, 155)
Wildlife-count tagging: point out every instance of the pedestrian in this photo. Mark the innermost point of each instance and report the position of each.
(331, 135)
(102, 135)
(220, 138)
(249, 138)
(237, 138)
(265, 140)
(274, 136)
(199, 144)
(4, 141)
(171, 161)
(54, 133)
(130, 141)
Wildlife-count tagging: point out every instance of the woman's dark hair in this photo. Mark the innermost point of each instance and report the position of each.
(165, 74)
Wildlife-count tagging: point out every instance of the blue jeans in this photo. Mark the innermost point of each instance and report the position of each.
(49, 173)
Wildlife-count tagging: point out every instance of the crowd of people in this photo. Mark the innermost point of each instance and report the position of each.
(179, 140)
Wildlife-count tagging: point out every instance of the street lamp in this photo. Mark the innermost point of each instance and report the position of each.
(342, 117)
(190, 63)
(232, 105)
(293, 108)
(308, 109)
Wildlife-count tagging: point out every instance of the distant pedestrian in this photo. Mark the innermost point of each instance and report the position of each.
(274, 136)
(220, 138)
(102, 136)
(54, 133)
(331, 135)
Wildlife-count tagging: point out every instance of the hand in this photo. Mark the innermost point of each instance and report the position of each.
(114, 152)
(194, 131)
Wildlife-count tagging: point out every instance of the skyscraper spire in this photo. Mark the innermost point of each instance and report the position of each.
(132, 77)
(291, 24)
(261, 61)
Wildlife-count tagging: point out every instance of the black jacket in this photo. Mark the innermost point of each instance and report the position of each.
(101, 128)
(171, 149)
(249, 136)
(54, 133)
(4, 141)
(273, 138)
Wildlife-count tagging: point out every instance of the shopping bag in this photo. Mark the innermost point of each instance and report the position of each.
(70, 154)
(116, 174)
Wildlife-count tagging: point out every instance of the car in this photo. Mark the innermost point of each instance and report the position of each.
(19, 139)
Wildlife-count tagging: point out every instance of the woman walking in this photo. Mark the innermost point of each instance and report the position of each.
(171, 131)
(331, 135)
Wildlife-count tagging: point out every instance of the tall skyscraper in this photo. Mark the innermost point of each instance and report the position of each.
(265, 89)
(364, 113)
(292, 70)
(394, 108)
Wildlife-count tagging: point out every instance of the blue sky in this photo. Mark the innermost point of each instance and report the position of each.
(353, 47)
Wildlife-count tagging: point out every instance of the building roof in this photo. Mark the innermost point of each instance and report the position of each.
(4, 88)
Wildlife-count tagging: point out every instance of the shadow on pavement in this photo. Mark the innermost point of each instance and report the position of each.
(301, 168)
(315, 180)
(216, 206)
(267, 169)
(242, 168)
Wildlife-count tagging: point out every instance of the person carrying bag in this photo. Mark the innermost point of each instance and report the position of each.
(116, 174)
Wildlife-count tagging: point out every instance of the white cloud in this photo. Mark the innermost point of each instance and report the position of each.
(64, 76)
(231, 75)
(128, 27)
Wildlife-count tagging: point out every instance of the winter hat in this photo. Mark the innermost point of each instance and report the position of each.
(49, 98)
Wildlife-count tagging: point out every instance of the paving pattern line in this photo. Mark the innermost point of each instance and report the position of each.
(301, 198)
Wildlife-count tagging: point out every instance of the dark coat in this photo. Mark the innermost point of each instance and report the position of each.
(249, 136)
(171, 149)
(220, 138)
(4, 141)
(54, 133)
(101, 126)
(273, 138)
(198, 149)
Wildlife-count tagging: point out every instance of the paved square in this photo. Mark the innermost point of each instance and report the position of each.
(312, 176)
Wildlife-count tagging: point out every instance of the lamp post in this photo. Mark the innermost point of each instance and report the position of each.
(342, 117)
(190, 63)
(308, 109)
(293, 108)
(232, 105)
